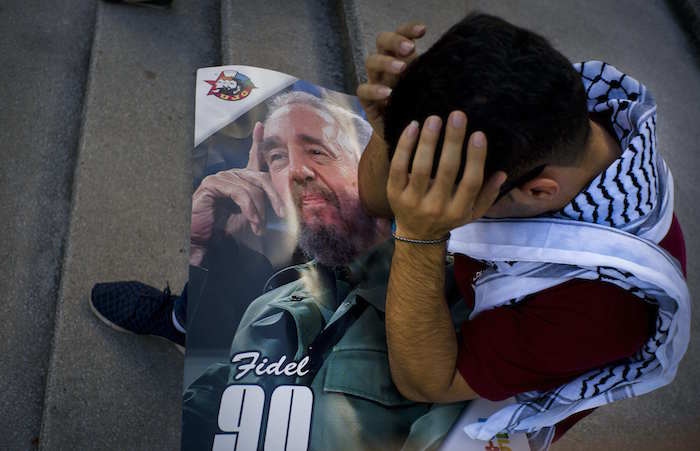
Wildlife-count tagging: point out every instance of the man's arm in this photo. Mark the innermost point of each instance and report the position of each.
(372, 173)
(421, 338)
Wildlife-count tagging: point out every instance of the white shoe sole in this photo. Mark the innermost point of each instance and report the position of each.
(121, 329)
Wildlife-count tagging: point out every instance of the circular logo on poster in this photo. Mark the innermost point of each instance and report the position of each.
(230, 85)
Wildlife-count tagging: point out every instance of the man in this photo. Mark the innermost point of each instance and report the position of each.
(328, 324)
(571, 310)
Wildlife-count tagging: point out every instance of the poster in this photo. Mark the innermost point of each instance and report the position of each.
(286, 347)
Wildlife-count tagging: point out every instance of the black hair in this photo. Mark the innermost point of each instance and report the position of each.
(512, 84)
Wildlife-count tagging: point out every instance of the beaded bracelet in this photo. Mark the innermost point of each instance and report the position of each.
(411, 240)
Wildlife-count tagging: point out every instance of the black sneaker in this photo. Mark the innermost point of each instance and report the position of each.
(137, 308)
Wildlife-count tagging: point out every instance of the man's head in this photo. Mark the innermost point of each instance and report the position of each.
(512, 84)
(311, 149)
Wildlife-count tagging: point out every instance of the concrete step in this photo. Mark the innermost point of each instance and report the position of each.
(129, 220)
(303, 38)
(364, 19)
(688, 14)
(44, 50)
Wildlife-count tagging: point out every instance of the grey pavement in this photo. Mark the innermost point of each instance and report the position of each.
(43, 70)
(105, 195)
(299, 37)
(364, 19)
(688, 14)
(129, 220)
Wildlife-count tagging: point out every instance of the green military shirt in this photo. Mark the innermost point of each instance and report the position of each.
(356, 405)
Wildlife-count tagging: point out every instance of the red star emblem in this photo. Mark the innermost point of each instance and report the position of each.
(244, 84)
(221, 76)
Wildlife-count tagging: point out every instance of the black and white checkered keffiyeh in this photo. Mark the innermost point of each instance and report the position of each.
(608, 232)
(625, 193)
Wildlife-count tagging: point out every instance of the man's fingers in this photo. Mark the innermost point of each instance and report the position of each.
(398, 170)
(488, 194)
(423, 159)
(223, 185)
(400, 42)
(262, 180)
(384, 68)
(473, 177)
(451, 155)
(254, 156)
(252, 205)
(412, 30)
(249, 198)
(368, 92)
(391, 43)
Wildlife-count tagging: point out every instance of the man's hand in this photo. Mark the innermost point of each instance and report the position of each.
(421, 339)
(247, 188)
(426, 208)
(394, 51)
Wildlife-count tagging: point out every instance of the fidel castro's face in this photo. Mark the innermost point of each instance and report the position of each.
(301, 147)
